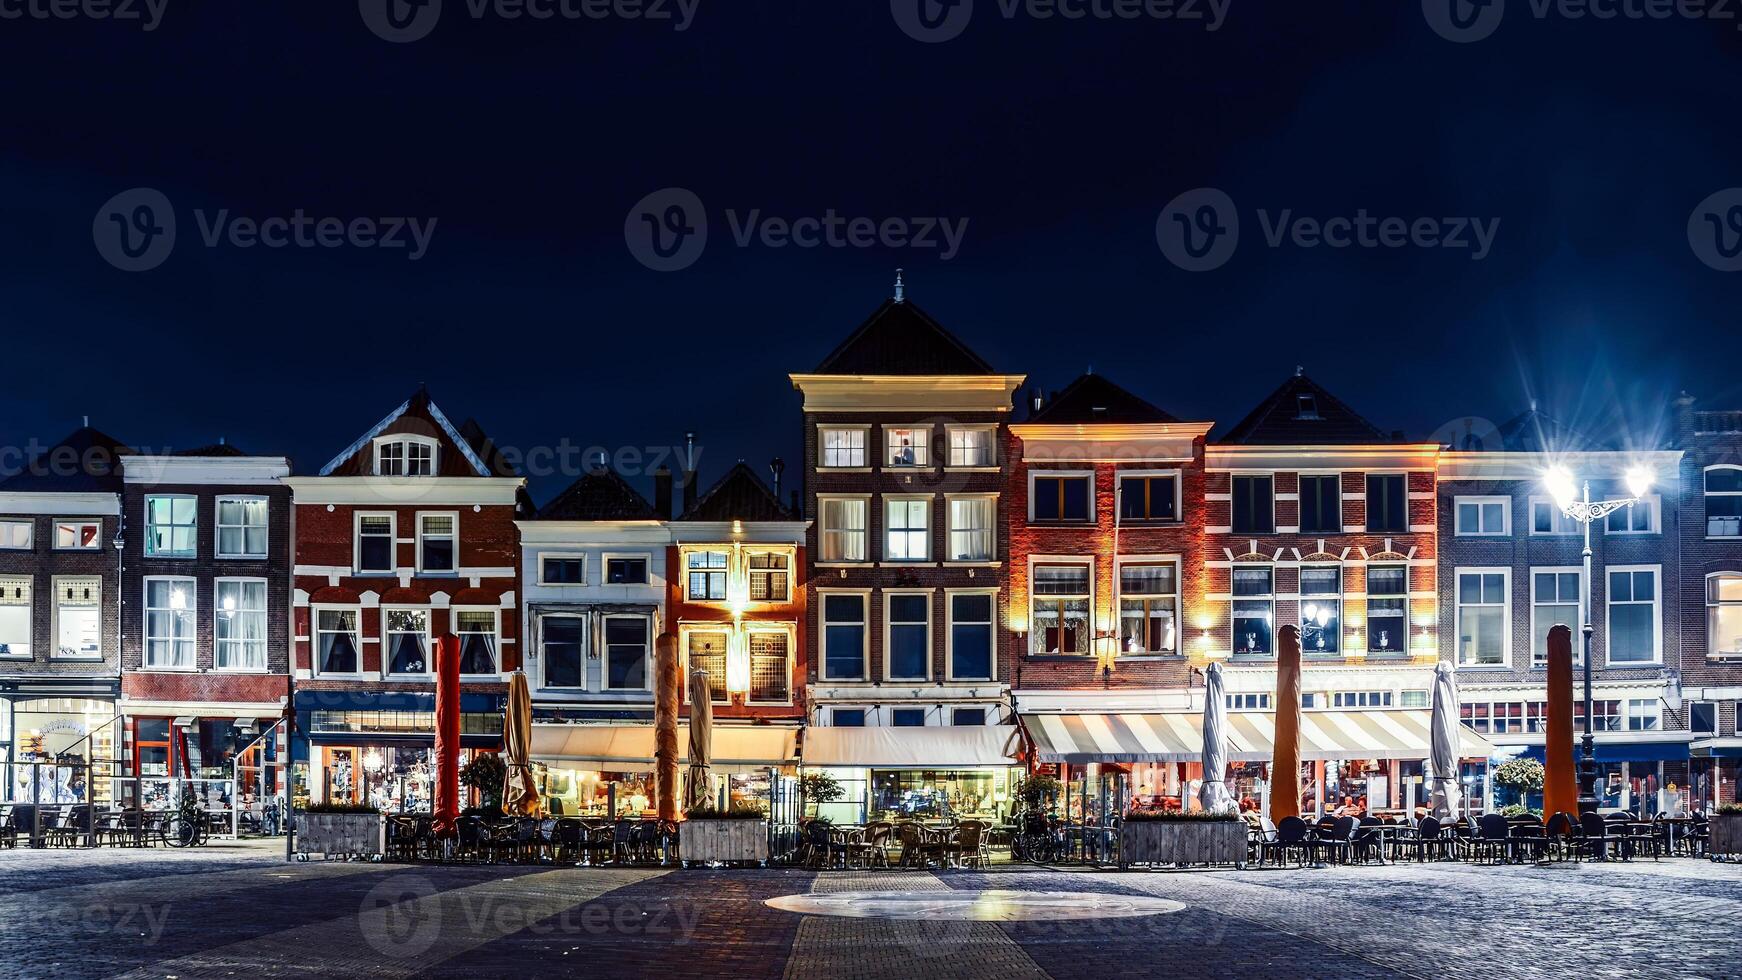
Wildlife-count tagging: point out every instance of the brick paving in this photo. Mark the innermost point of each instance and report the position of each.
(237, 910)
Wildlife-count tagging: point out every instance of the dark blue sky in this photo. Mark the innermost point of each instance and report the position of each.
(1058, 141)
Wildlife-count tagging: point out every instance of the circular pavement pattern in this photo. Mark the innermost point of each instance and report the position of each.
(989, 905)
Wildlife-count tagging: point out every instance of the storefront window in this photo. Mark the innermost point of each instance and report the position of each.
(589, 792)
(63, 750)
(914, 794)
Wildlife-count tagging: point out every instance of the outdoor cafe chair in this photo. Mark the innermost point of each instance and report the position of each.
(822, 847)
(1369, 840)
(1562, 838)
(1426, 842)
(8, 829)
(1699, 833)
(1642, 837)
(877, 837)
(1290, 838)
(1601, 839)
(1493, 839)
(1335, 840)
(473, 832)
(966, 845)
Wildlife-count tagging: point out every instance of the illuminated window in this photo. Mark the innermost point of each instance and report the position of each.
(972, 447)
(15, 535)
(1059, 611)
(843, 528)
(407, 638)
(241, 624)
(405, 456)
(1321, 610)
(1724, 614)
(971, 532)
(242, 527)
(170, 623)
(1413, 699)
(842, 447)
(1554, 600)
(1254, 609)
(1481, 516)
(907, 531)
(770, 576)
(15, 599)
(1632, 601)
(770, 667)
(1387, 608)
(707, 572)
(1483, 614)
(1148, 607)
(707, 652)
(77, 535)
(1724, 501)
(78, 618)
(907, 447)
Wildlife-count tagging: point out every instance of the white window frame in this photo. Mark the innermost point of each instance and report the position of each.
(1654, 711)
(724, 571)
(1179, 626)
(889, 631)
(1713, 605)
(387, 671)
(76, 522)
(1653, 504)
(60, 582)
(608, 557)
(787, 557)
(1235, 598)
(865, 675)
(453, 515)
(357, 542)
(194, 528)
(788, 630)
(1049, 474)
(495, 632)
(1505, 605)
(1707, 495)
(1302, 599)
(950, 634)
(193, 609)
(990, 530)
(605, 652)
(1458, 528)
(908, 531)
(218, 526)
(1408, 698)
(266, 619)
(1717, 718)
(579, 556)
(1119, 478)
(1248, 701)
(25, 586)
(1234, 478)
(1366, 627)
(924, 715)
(864, 463)
(1557, 519)
(991, 433)
(1609, 605)
(1034, 562)
(316, 634)
(824, 530)
(1335, 476)
(1578, 647)
(585, 622)
(409, 439)
(923, 458)
(7, 529)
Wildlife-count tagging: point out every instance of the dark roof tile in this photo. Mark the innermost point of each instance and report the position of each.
(740, 495)
(1092, 398)
(1302, 413)
(84, 462)
(599, 495)
(901, 338)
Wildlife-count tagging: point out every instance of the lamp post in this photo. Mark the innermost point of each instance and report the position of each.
(1583, 509)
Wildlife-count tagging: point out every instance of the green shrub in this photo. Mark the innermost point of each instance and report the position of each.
(737, 811)
(1176, 816)
(1522, 775)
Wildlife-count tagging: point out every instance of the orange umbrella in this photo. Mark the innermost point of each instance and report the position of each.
(519, 796)
(665, 691)
(1560, 792)
(1285, 758)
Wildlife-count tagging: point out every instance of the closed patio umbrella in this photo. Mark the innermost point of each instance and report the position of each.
(1285, 757)
(1444, 726)
(1214, 795)
(1560, 791)
(665, 698)
(445, 805)
(519, 796)
(699, 793)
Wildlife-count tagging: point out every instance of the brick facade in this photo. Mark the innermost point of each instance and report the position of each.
(1711, 442)
(43, 564)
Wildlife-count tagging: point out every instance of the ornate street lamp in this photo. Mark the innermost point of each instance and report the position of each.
(1581, 508)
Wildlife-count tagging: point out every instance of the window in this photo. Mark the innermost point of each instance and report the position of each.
(971, 520)
(907, 530)
(1703, 717)
(847, 718)
(909, 636)
(77, 535)
(971, 617)
(336, 641)
(968, 717)
(1643, 715)
(707, 575)
(407, 640)
(241, 625)
(1060, 614)
(375, 548)
(1149, 498)
(405, 456)
(563, 647)
(770, 576)
(625, 570)
(78, 617)
(1633, 633)
(626, 653)
(1306, 406)
(15, 535)
(1724, 502)
(1546, 518)
(1254, 504)
(171, 527)
(1149, 607)
(1413, 699)
(562, 570)
(170, 625)
(1321, 610)
(1387, 609)
(1387, 503)
(1361, 699)
(1249, 702)
(972, 447)
(843, 448)
(1321, 503)
(15, 607)
(1309, 699)
(1606, 716)
(1062, 497)
(1482, 618)
(907, 447)
(1253, 611)
(907, 717)
(843, 529)
(843, 637)
(1639, 518)
(770, 668)
(476, 631)
(1554, 600)
(437, 538)
(1724, 614)
(707, 651)
(242, 527)
(1477, 517)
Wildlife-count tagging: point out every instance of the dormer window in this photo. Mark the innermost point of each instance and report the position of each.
(405, 456)
(1306, 406)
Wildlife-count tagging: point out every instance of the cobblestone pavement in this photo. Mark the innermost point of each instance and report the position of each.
(238, 910)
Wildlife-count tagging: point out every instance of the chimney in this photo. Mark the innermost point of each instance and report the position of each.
(777, 466)
(796, 512)
(689, 471)
(662, 493)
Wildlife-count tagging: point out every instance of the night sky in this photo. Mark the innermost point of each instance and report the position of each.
(1058, 141)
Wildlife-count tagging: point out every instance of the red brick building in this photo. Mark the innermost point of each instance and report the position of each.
(1711, 596)
(407, 535)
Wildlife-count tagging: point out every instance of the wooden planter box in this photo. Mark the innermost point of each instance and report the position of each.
(1182, 842)
(1726, 830)
(723, 840)
(341, 835)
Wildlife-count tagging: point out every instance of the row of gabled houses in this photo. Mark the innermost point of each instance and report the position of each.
(970, 579)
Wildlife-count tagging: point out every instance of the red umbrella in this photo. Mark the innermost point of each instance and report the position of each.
(446, 805)
(1560, 793)
(1285, 754)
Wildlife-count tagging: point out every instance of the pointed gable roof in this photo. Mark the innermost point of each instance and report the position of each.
(599, 495)
(740, 495)
(417, 415)
(1302, 413)
(900, 338)
(1534, 432)
(87, 461)
(1092, 398)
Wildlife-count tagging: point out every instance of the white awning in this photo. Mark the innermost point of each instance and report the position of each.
(629, 748)
(1177, 737)
(927, 747)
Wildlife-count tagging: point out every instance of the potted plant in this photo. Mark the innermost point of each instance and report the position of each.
(1726, 830)
(1521, 776)
(1179, 837)
(352, 831)
(736, 834)
(818, 787)
(485, 774)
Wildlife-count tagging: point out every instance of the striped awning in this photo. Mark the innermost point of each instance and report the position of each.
(1177, 737)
